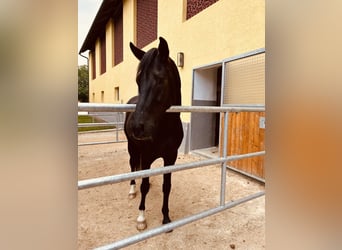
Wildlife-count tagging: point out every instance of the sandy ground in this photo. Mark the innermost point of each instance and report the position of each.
(107, 215)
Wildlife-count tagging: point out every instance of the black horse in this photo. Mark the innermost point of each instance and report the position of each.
(151, 132)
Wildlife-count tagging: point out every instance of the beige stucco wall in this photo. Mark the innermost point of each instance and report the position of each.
(225, 29)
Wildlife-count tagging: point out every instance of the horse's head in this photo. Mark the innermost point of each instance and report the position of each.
(159, 88)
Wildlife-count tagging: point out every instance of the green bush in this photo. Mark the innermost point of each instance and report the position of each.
(89, 119)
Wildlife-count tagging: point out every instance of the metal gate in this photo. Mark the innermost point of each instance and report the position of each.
(84, 184)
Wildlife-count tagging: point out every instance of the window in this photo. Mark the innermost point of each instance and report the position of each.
(103, 53)
(93, 97)
(93, 64)
(118, 39)
(116, 94)
(194, 7)
(147, 22)
(102, 96)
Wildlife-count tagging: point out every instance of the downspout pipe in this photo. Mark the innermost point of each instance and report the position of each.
(85, 58)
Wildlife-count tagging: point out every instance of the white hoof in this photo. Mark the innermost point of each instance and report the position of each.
(132, 193)
(132, 196)
(141, 225)
(141, 221)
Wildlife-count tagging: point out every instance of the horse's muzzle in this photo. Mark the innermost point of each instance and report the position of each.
(140, 133)
(142, 138)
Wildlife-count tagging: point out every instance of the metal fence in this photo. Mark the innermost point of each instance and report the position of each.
(115, 119)
(94, 107)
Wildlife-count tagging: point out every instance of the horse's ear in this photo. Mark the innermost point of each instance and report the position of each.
(136, 51)
(163, 48)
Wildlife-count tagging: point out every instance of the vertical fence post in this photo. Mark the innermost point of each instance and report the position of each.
(117, 125)
(224, 164)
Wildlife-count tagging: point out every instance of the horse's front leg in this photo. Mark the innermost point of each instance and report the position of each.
(144, 188)
(166, 191)
(169, 160)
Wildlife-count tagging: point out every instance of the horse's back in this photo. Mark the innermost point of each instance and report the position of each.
(133, 100)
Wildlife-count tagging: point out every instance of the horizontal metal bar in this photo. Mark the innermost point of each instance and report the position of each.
(99, 143)
(109, 130)
(240, 56)
(243, 105)
(198, 152)
(213, 109)
(99, 124)
(105, 114)
(244, 55)
(104, 107)
(175, 224)
(246, 174)
(83, 184)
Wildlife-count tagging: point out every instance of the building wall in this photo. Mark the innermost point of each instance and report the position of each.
(224, 29)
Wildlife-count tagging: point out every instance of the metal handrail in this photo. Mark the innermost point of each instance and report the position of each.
(105, 107)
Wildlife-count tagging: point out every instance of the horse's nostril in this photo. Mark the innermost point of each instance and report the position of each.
(139, 130)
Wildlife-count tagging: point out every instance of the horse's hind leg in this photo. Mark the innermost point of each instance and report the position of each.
(132, 192)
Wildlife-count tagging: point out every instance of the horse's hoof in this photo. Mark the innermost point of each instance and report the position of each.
(165, 222)
(132, 196)
(132, 192)
(141, 225)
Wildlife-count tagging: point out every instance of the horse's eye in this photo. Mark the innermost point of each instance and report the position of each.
(160, 81)
(138, 76)
(159, 77)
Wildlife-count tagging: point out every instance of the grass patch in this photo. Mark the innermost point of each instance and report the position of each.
(89, 119)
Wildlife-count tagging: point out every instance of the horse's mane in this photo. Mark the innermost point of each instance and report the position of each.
(177, 84)
(147, 60)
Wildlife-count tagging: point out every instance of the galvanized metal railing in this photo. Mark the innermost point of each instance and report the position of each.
(117, 122)
(83, 184)
(104, 107)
